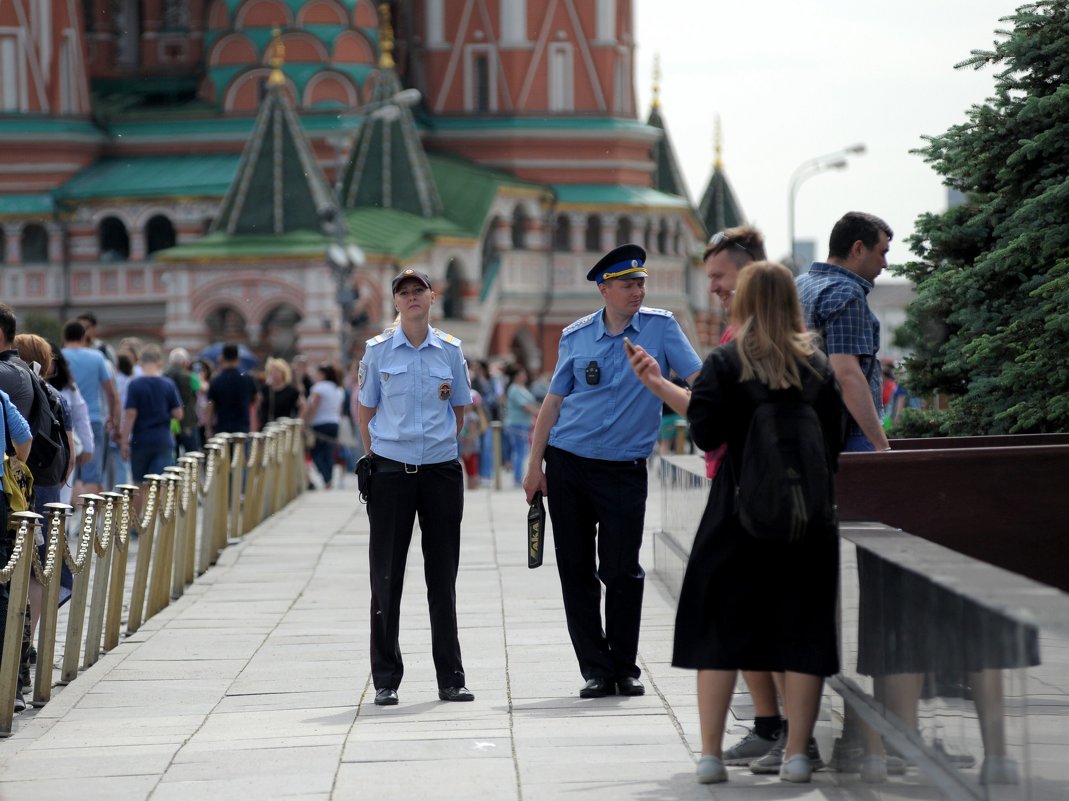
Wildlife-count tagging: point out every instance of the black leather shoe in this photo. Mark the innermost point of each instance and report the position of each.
(598, 688)
(386, 697)
(630, 686)
(455, 694)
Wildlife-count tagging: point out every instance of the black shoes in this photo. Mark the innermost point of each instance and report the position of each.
(455, 694)
(598, 688)
(630, 686)
(386, 697)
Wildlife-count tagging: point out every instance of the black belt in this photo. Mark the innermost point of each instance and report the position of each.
(380, 464)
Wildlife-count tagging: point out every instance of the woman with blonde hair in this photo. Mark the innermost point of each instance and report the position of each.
(279, 397)
(791, 629)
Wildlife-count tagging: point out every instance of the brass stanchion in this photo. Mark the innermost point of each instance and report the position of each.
(102, 545)
(146, 528)
(120, 555)
(17, 574)
(208, 550)
(681, 436)
(49, 575)
(191, 462)
(178, 540)
(80, 566)
(159, 591)
(237, 484)
(496, 428)
(250, 515)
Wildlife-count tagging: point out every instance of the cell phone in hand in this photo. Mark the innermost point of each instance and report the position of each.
(628, 347)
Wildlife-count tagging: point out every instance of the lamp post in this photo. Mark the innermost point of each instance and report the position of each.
(807, 169)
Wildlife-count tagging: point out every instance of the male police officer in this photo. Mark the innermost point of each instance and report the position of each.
(413, 390)
(596, 427)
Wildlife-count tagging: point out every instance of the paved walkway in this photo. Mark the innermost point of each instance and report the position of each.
(256, 684)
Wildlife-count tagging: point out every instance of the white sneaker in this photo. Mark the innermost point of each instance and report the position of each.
(999, 770)
(798, 768)
(711, 770)
(873, 769)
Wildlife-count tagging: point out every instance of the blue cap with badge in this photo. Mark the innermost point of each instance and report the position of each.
(626, 261)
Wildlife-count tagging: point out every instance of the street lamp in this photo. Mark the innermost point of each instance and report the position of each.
(344, 258)
(807, 169)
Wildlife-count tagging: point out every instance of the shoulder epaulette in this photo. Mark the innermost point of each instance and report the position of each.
(658, 312)
(449, 338)
(385, 335)
(582, 322)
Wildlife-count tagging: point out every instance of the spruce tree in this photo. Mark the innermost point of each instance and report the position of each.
(990, 323)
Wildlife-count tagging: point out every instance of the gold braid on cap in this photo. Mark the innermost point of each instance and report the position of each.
(640, 269)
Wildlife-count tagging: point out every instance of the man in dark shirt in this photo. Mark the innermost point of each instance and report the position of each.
(230, 395)
(14, 375)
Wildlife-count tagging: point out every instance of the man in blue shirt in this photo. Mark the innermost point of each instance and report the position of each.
(90, 372)
(413, 391)
(834, 298)
(595, 429)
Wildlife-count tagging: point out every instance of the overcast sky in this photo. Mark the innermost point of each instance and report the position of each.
(794, 79)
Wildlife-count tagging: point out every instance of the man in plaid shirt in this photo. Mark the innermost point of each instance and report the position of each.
(834, 297)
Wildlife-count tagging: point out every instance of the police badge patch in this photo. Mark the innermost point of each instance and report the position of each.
(445, 391)
(361, 375)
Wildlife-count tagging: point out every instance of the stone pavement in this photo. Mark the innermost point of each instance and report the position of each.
(255, 684)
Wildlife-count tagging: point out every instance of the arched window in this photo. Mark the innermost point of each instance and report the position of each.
(562, 234)
(662, 237)
(226, 324)
(519, 228)
(113, 239)
(159, 234)
(647, 241)
(625, 231)
(279, 331)
(593, 234)
(491, 255)
(455, 286)
(677, 240)
(34, 244)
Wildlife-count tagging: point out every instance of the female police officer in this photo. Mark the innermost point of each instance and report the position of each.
(413, 390)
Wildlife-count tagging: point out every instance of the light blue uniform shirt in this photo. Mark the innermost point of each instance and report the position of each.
(16, 425)
(617, 419)
(414, 391)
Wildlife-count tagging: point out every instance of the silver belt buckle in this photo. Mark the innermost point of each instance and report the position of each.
(411, 469)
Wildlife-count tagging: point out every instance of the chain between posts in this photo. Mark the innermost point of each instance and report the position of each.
(124, 522)
(168, 502)
(150, 506)
(44, 574)
(103, 539)
(16, 553)
(75, 564)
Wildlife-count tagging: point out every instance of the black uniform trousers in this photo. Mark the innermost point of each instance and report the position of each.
(436, 494)
(598, 509)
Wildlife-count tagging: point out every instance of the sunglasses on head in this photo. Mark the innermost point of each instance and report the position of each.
(721, 240)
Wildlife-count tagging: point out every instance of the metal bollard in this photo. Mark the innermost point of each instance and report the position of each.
(681, 436)
(146, 534)
(191, 463)
(120, 555)
(17, 573)
(496, 428)
(56, 515)
(159, 591)
(176, 569)
(208, 550)
(102, 545)
(80, 567)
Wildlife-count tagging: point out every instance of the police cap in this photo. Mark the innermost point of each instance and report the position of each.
(626, 261)
(410, 273)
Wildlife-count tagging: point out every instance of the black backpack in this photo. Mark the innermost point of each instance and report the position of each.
(49, 450)
(784, 489)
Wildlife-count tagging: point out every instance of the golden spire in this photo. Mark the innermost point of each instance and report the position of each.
(717, 144)
(278, 58)
(385, 38)
(656, 81)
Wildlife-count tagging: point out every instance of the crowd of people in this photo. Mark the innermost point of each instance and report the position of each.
(419, 414)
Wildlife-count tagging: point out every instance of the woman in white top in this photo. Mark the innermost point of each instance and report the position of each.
(322, 413)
